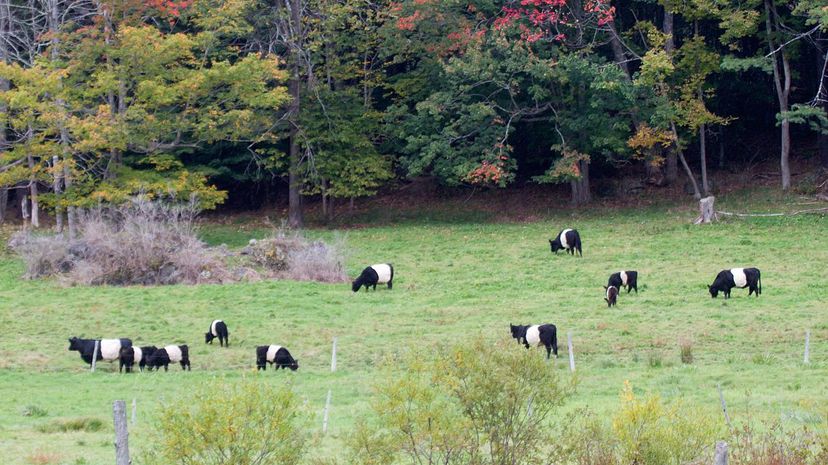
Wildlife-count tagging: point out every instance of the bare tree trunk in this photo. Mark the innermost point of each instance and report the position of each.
(33, 188)
(580, 187)
(670, 162)
(111, 99)
(618, 50)
(56, 173)
(822, 96)
(782, 83)
(295, 214)
(703, 158)
(5, 20)
(696, 193)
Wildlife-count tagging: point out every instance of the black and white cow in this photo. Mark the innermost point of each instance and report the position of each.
(170, 354)
(567, 240)
(382, 273)
(736, 277)
(276, 355)
(535, 335)
(132, 355)
(217, 330)
(612, 295)
(624, 278)
(108, 349)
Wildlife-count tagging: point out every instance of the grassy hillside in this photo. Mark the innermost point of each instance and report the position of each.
(455, 280)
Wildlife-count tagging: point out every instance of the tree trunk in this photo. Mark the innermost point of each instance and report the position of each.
(696, 193)
(670, 158)
(331, 203)
(4, 201)
(5, 18)
(703, 158)
(295, 214)
(580, 187)
(618, 50)
(707, 211)
(782, 83)
(56, 171)
(822, 96)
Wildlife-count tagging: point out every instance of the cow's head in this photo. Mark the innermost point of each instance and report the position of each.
(208, 336)
(714, 291)
(517, 331)
(356, 284)
(612, 295)
(295, 365)
(74, 344)
(555, 245)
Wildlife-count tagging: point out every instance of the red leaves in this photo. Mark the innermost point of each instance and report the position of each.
(170, 8)
(537, 19)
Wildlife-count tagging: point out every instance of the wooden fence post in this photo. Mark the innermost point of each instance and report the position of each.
(325, 415)
(333, 356)
(724, 409)
(121, 433)
(571, 352)
(721, 454)
(95, 355)
(807, 358)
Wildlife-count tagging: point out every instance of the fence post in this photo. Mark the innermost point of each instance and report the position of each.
(134, 408)
(571, 352)
(333, 356)
(95, 354)
(807, 358)
(724, 409)
(325, 415)
(121, 433)
(721, 454)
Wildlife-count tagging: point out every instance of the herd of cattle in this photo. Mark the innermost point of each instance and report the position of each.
(567, 240)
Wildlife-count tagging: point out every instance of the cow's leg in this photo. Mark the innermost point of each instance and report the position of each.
(390, 285)
(375, 286)
(166, 365)
(548, 350)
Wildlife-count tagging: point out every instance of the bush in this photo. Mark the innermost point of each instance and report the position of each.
(240, 423)
(774, 445)
(142, 242)
(686, 351)
(289, 255)
(89, 425)
(467, 404)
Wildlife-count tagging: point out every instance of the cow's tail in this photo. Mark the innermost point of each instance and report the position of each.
(555, 340)
(760, 283)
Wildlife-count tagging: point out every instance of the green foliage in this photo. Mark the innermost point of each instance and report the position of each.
(465, 404)
(244, 423)
(814, 117)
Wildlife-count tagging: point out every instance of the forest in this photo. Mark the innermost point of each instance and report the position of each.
(243, 103)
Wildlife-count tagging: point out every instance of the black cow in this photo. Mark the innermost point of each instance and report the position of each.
(276, 355)
(108, 349)
(612, 295)
(170, 354)
(568, 240)
(536, 335)
(132, 355)
(736, 277)
(217, 330)
(624, 278)
(382, 273)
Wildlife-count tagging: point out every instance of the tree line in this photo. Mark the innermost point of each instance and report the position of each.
(103, 99)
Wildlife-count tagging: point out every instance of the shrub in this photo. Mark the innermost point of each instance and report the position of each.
(34, 411)
(466, 404)
(142, 242)
(686, 351)
(289, 255)
(89, 425)
(240, 423)
(774, 445)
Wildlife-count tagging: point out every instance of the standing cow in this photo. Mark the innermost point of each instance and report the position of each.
(568, 240)
(628, 279)
(612, 295)
(382, 273)
(736, 277)
(170, 354)
(217, 330)
(132, 355)
(108, 349)
(535, 335)
(276, 355)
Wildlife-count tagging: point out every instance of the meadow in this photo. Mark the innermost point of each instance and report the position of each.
(459, 275)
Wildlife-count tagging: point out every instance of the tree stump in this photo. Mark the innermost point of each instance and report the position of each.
(720, 458)
(707, 211)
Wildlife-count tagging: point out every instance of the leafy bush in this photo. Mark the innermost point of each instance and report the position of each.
(142, 242)
(467, 404)
(240, 423)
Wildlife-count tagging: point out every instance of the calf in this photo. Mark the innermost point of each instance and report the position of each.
(382, 273)
(612, 295)
(537, 335)
(132, 355)
(568, 240)
(217, 330)
(108, 349)
(624, 278)
(276, 355)
(170, 354)
(736, 277)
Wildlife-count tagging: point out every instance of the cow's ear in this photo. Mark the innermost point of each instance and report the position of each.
(606, 299)
(605, 288)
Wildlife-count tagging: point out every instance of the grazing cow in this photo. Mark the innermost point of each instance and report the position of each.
(276, 355)
(624, 278)
(217, 330)
(612, 295)
(132, 355)
(170, 354)
(108, 349)
(736, 277)
(535, 335)
(382, 273)
(568, 240)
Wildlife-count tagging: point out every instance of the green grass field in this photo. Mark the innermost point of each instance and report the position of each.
(456, 279)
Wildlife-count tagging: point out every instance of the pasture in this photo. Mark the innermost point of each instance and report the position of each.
(455, 279)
